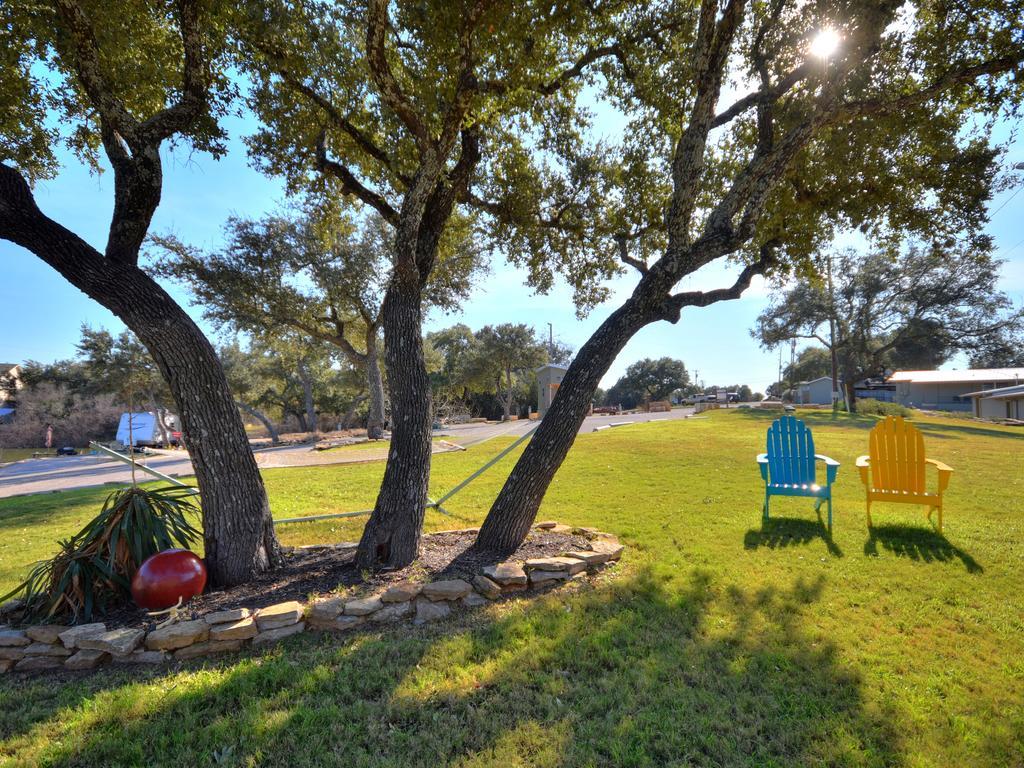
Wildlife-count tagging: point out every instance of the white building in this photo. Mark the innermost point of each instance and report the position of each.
(1001, 403)
(549, 377)
(950, 390)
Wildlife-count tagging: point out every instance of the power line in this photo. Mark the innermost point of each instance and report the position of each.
(1007, 200)
(1012, 247)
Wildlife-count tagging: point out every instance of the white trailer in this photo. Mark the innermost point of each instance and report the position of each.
(143, 429)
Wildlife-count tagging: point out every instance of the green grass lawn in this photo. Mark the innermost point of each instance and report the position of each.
(719, 641)
(8, 455)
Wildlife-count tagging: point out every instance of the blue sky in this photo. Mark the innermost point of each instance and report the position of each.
(40, 313)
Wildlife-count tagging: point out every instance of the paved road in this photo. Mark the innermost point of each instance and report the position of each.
(472, 434)
(64, 473)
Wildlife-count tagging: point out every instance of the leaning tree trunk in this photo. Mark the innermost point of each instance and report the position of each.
(375, 387)
(238, 531)
(851, 395)
(261, 417)
(391, 537)
(158, 415)
(508, 394)
(346, 420)
(513, 512)
(307, 397)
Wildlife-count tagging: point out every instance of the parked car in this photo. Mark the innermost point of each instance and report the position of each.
(67, 450)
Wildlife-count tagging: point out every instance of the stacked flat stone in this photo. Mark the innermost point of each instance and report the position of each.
(86, 646)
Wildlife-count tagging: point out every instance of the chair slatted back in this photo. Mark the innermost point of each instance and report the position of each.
(897, 456)
(790, 452)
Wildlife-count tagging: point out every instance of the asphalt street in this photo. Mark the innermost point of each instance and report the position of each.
(64, 473)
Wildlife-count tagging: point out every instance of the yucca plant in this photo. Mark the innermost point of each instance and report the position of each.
(95, 567)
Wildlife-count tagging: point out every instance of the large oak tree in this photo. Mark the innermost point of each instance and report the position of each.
(400, 106)
(126, 80)
(742, 147)
(321, 274)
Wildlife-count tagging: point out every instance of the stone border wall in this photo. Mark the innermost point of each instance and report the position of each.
(88, 646)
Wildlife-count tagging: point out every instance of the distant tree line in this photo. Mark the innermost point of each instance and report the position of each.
(662, 379)
(905, 307)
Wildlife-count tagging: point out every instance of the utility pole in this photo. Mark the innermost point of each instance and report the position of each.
(832, 335)
(779, 393)
(551, 343)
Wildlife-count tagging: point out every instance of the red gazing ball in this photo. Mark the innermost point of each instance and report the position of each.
(167, 576)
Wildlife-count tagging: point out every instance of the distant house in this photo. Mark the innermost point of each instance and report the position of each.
(999, 403)
(10, 382)
(815, 392)
(950, 390)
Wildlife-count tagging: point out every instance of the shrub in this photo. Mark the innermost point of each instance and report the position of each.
(96, 566)
(870, 406)
(76, 418)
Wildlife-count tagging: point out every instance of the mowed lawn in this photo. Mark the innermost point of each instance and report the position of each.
(716, 641)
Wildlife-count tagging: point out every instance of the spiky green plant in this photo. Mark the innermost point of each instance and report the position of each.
(95, 567)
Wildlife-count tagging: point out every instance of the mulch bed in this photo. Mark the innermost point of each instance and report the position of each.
(323, 569)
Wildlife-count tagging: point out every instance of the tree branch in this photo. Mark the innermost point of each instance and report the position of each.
(86, 63)
(622, 240)
(391, 93)
(675, 303)
(350, 185)
(948, 80)
(194, 81)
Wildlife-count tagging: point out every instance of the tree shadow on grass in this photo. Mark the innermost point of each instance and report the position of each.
(946, 431)
(645, 670)
(782, 532)
(812, 417)
(916, 543)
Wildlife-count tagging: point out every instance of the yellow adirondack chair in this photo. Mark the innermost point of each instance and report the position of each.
(894, 468)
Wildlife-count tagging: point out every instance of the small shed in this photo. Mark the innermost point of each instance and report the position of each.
(1000, 403)
(815, 392)
(549, 378)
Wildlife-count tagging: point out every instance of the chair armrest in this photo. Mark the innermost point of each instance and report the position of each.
(762, 464)
(831, 467)
(863, 463)
(945, 473)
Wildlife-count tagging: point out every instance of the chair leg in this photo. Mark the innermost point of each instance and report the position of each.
(939, 508)
(767, 496)
(869, 513)
(830, 513)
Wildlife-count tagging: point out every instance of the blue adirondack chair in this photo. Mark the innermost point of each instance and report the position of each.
(788, 467)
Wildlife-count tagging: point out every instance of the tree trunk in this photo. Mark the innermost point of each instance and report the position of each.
(307, 397)
(346, 420)
(375, 384)
(158, 415)
(238, 531)
(515, 509)
(508, 393)
(392, 535)
(851, 396)
(261, 417)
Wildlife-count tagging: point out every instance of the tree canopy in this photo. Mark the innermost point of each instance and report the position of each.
(743, 146)
(647, 380)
